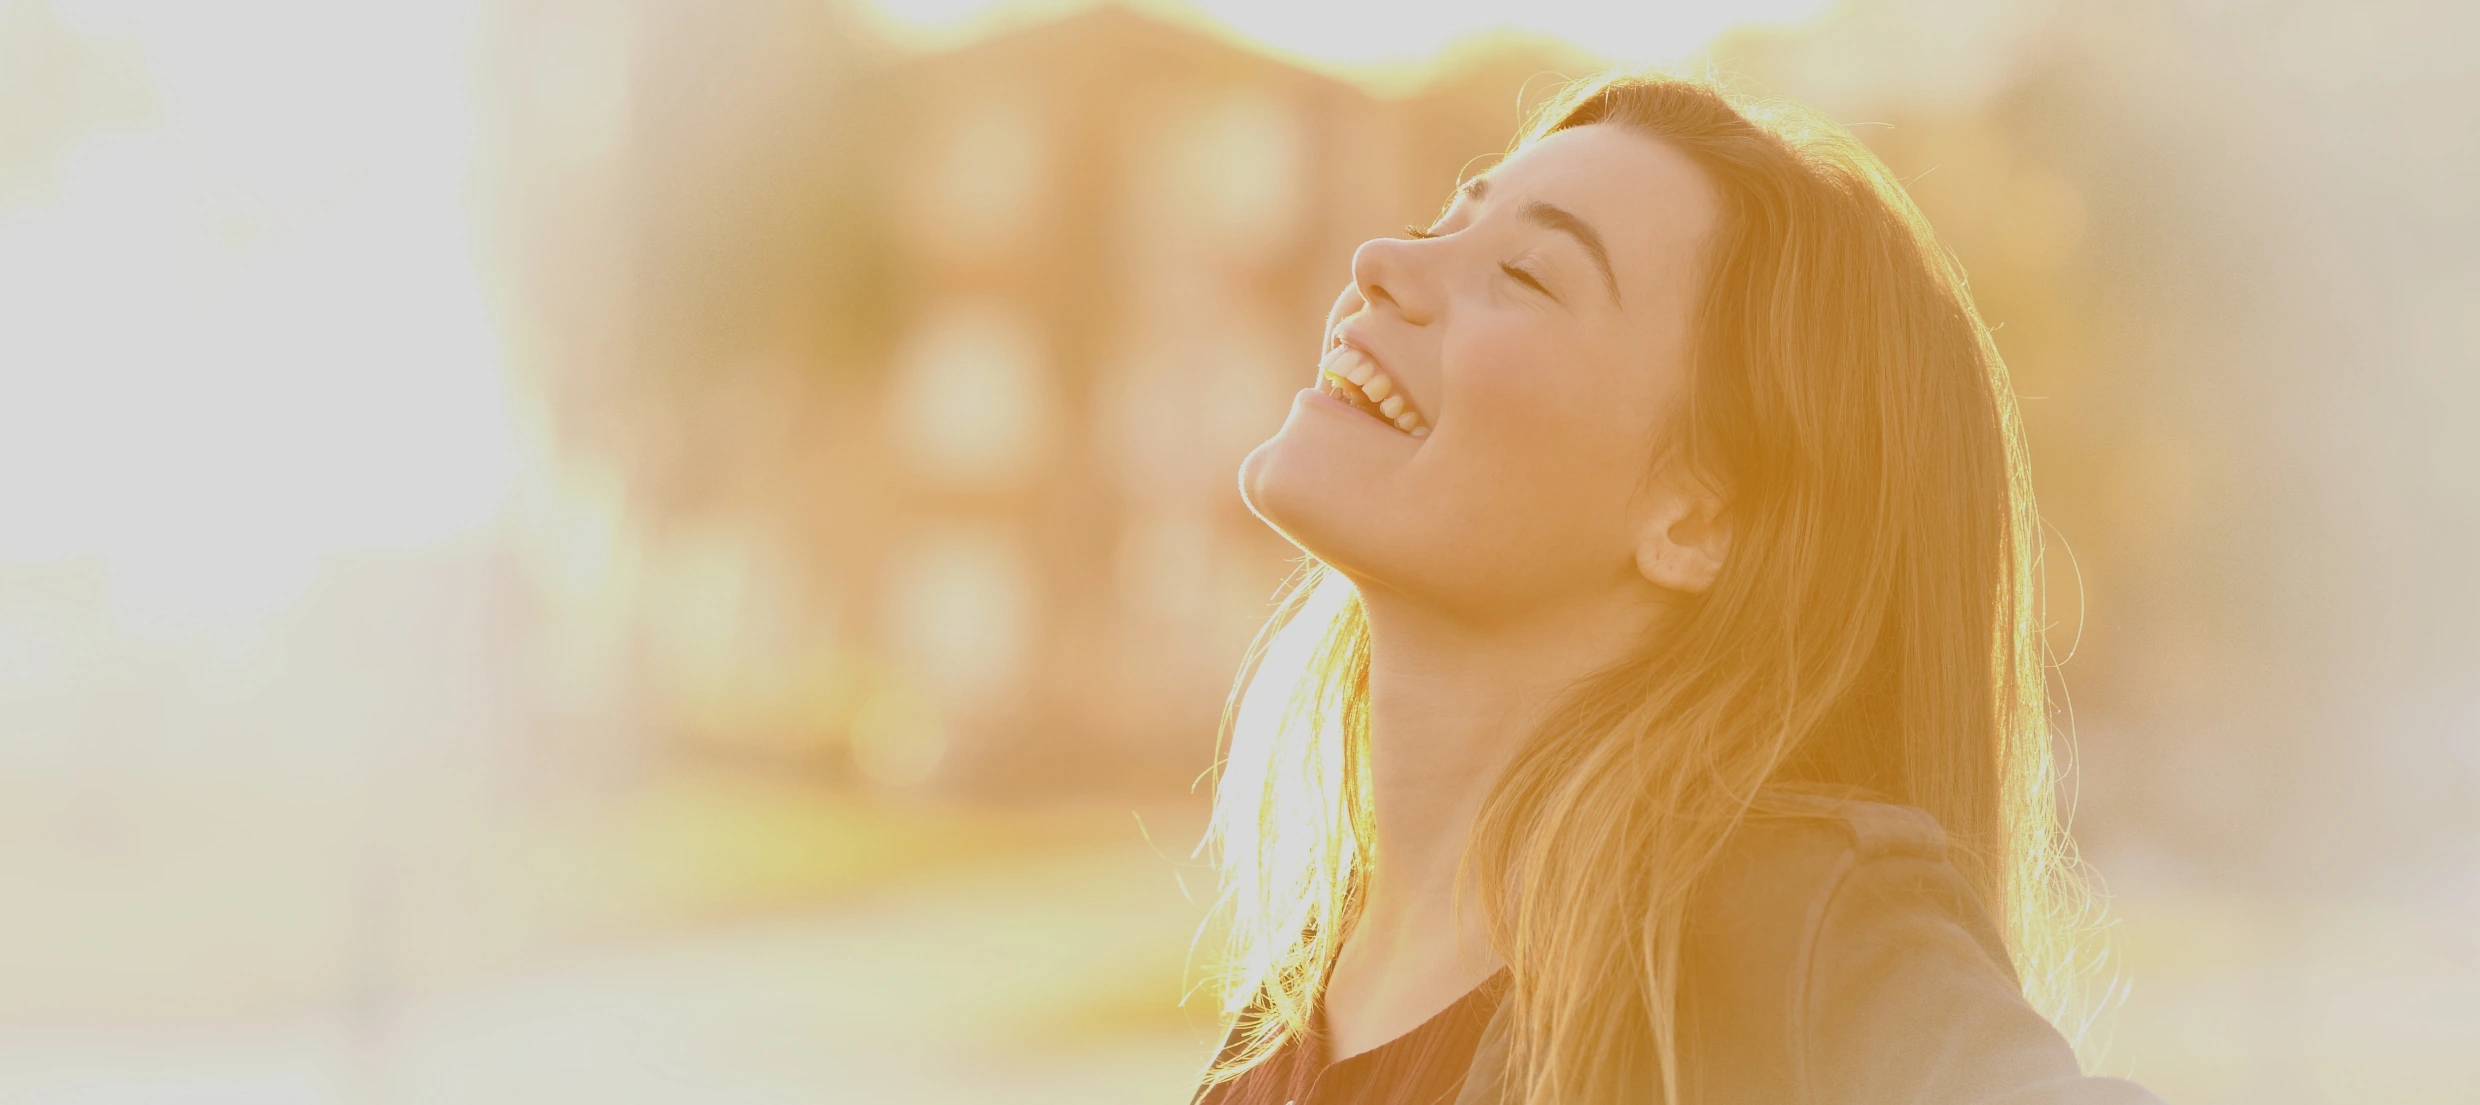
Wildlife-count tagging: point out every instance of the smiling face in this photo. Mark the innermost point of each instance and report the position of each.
(1535, 343)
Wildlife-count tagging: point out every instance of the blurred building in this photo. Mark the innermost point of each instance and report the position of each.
(1108, 291)
(906, 435)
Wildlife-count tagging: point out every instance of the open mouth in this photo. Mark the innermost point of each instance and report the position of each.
(1349, 375)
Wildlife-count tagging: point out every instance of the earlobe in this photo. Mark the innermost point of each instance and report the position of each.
(1683, 545)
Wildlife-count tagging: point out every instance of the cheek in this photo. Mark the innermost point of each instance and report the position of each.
(1556, 413)
(1545, 447)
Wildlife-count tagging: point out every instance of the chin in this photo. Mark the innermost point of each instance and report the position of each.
(1320, 479)
(1278, 481)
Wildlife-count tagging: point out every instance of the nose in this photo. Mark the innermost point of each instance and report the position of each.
(1388, 272)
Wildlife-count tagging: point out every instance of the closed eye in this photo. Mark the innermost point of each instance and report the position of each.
(1521, 276)
(1527, 279)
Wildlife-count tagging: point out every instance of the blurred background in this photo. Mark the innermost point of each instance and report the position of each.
(651, 551)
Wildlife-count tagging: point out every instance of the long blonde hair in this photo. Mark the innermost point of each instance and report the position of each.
(1875, 633)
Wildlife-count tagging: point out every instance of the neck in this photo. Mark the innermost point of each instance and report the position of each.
(1449, 704)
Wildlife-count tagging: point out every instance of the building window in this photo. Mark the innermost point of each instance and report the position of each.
(1216, 179)
(986, 180)
(959, 609)
(970, 404)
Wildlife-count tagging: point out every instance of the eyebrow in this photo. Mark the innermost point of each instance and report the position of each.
(1560, 219)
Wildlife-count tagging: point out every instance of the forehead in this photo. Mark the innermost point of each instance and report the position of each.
(1648, 200)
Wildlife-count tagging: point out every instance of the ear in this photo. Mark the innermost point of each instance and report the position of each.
(1686, 537)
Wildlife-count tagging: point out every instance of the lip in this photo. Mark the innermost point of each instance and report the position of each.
(1344, 336)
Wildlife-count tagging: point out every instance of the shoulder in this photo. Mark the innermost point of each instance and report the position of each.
(1756, 925)
(1795, 840)
(1800, 850)
(1796, 869)
(1836, 953)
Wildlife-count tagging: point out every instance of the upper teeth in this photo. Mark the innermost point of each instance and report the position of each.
(1351, 366)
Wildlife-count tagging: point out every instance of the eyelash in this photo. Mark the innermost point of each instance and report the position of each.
(1417, 233)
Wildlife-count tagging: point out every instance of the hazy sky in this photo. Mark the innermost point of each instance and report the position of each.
(1363, 33)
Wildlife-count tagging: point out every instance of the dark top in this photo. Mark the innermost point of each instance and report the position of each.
(1835, 958)
(1422, 1067)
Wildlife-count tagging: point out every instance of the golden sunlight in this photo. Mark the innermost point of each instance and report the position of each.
(1391, 36)
(249, 322)
(641, 551)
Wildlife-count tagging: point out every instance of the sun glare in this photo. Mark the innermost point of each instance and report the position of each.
(1368, 38)
(243, 329)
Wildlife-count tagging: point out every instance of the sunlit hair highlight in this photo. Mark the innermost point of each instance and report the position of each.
(1875, 633)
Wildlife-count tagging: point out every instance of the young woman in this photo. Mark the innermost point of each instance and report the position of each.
(1661, 715)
